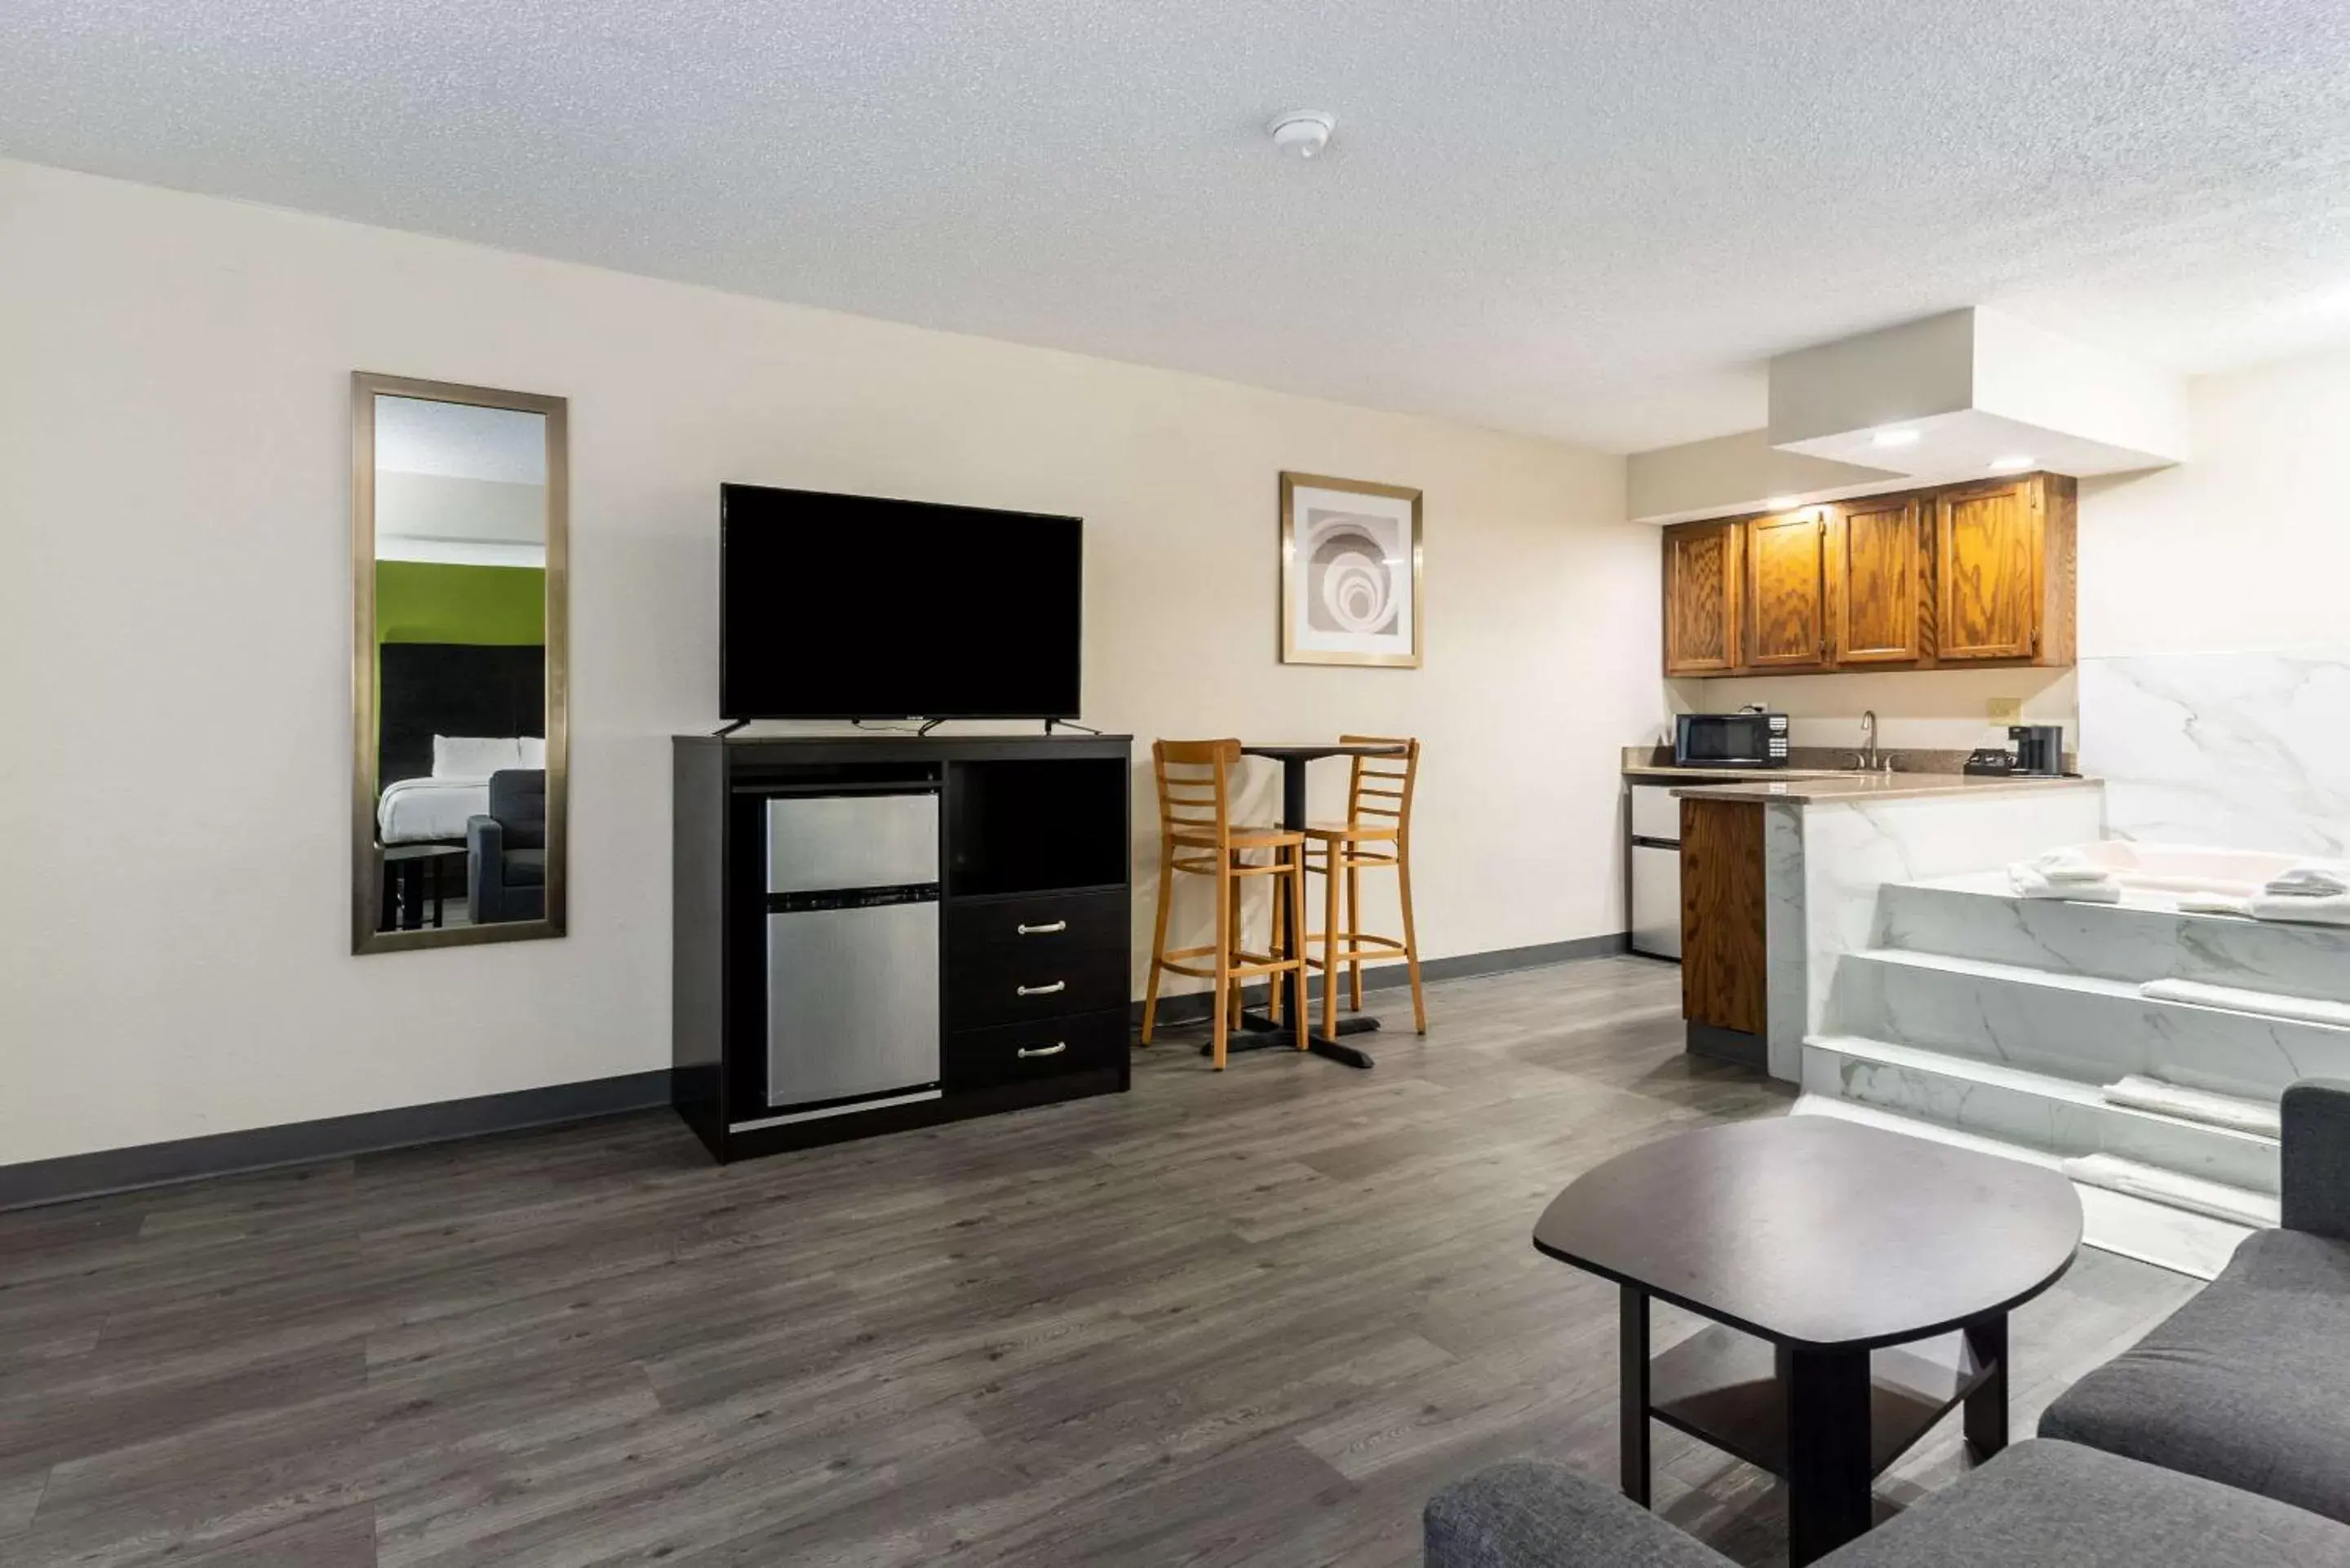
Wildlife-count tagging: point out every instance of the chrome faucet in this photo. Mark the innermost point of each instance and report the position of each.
(1867, 759)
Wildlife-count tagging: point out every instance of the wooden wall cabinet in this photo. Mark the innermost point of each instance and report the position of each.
(1787, 591)
(1701, 595)
(1975, 574)
(1880, 556)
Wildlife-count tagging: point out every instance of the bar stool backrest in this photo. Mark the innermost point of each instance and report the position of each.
(1194, 788)
(1379, 790)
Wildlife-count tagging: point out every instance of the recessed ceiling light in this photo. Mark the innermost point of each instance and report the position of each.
(1903, 436)
(1301, 131)
(2014, 465)
(1781, 503)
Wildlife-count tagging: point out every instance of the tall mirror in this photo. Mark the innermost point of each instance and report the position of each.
(459, 510)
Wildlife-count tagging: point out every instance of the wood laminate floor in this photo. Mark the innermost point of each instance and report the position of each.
(1253, 1318)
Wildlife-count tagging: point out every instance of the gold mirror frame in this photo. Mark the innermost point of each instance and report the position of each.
(365, 892)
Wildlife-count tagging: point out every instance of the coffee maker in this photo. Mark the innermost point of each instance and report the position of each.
(2038, 749)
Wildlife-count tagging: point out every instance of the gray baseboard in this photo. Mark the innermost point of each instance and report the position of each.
(1190, 1006)
(332, 1137)
(76, 1176)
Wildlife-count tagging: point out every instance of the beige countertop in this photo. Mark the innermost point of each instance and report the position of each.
(1830, 788)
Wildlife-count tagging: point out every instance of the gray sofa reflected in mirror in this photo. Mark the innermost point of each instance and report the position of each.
(2220, 1440)
(506, 858)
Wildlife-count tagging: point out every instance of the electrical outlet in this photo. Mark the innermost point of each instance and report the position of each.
(2005, 710)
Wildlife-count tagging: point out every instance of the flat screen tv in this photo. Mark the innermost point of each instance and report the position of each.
(851, 606)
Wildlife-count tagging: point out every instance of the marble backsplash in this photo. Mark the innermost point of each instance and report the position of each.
(2243, 751)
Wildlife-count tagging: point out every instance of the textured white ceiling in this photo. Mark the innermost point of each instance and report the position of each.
(460, 440)
(1583, 218)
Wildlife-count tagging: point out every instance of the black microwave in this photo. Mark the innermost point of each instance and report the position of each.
(1753, 739)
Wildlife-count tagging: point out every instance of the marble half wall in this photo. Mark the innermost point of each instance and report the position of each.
(1847, 851)
(2238, 751)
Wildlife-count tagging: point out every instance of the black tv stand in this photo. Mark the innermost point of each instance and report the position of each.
(1034, 902)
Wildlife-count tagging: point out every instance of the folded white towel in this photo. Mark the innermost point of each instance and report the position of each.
(2311, 880)
(2030, 883)
(2236, 999)
(2069, 865)
(2194, 1105)
(2308, 909)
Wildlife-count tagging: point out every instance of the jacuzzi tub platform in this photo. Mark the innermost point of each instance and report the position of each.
(1979, 1017)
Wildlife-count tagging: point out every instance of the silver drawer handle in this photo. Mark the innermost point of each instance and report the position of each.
(1055, 929)
(1053, 1050)
(1042, 989)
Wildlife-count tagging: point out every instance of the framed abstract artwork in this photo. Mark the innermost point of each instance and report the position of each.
(1350, 572)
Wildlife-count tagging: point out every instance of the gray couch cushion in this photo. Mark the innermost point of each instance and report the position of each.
(2054, 1505)
(1527, 1515)
(2248, 1384)
(2039, 1505)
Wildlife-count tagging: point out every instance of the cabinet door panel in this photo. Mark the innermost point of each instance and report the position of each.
(1988, 569)
(1701, 598)
(1786, 596)
(1881, 574)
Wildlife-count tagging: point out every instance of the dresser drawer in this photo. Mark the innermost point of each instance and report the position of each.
(983, 1058)
(1014, 959)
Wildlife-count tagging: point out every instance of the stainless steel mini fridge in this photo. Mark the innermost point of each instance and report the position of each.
(1656, 852)
(852, 948)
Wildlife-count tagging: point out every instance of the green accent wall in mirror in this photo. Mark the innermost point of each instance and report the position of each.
(435, 601)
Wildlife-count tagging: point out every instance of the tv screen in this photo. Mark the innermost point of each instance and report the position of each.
(850, 607)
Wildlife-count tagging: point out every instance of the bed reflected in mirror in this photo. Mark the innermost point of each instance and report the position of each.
(458, 536)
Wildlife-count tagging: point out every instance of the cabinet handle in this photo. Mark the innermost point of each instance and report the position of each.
(1058, 985)
(1053, 929)
(1053, 1050)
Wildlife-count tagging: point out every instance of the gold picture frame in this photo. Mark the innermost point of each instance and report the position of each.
(1336, 582)
(367, 858)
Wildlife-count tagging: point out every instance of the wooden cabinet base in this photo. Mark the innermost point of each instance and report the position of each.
(1723, 937)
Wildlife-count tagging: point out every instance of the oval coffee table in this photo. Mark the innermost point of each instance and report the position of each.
(1814, 1243)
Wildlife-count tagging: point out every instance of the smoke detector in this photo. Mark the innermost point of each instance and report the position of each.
(1302, 132)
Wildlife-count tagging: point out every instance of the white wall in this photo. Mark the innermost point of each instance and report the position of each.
(2246, 544)
(175, 628)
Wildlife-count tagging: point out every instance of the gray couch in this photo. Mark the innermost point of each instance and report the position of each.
(2249, 1383)
(2041, 1504)
(2222, 1438)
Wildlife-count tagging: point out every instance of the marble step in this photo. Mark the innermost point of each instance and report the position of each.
(2216, 1199)
(2012, 1104)
(2168, 1237)
(1976, 915)
(2088, 1028)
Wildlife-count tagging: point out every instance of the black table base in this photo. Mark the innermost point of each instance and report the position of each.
(1260, 1033)
(1825, 1422)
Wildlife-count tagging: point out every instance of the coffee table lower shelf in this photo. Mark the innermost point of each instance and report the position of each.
(1727, 1389)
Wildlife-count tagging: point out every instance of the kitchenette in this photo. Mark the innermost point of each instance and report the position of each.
(1754, 857)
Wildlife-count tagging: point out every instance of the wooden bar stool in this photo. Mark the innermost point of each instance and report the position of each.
(1377, 834)
(1196, 835)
